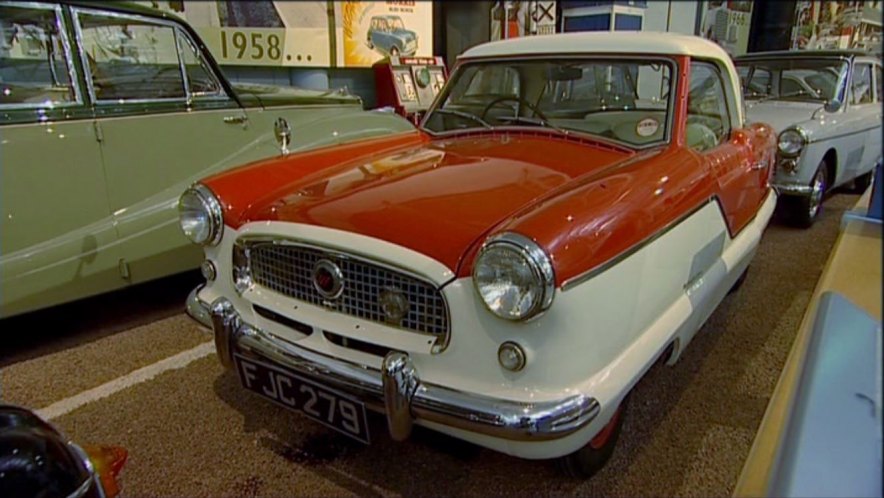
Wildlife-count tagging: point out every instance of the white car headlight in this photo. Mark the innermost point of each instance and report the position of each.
(514, 277)
(791, 142)
(200, 215)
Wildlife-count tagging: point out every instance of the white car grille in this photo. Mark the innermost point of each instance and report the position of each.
(287, 268)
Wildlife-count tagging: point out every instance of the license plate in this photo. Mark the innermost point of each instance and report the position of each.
(324, 405)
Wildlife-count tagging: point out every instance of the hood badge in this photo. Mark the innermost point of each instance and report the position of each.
(394, 305)
(328, 280)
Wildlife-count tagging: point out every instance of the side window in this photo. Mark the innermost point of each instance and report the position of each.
(34, 67)
(708, 119)
(130, 58)
(861, 84)
(201, 80)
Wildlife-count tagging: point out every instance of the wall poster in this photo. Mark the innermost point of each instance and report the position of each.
(825, 24)
(308, 33)
(727, 23)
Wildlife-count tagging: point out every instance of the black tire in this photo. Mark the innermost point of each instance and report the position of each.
(862, 182)
(739, 282)
(394, 52)
(806, 209)
(588, 460)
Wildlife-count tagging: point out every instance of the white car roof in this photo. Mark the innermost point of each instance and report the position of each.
(610, 42)
(614, 42)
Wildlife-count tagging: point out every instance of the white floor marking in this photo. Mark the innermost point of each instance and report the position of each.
(143, 374)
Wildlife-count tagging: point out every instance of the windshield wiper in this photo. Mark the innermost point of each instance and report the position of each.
(534, 120)
(466, 115)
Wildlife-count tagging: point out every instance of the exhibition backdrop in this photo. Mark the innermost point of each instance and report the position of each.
(307, 33)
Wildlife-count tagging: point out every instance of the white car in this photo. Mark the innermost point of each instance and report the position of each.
(826, 107)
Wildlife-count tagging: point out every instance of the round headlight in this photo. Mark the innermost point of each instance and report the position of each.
(514, 277)
(791, 142)
(200, 215)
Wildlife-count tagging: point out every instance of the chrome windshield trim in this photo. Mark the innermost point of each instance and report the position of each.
(669, 110)
(68, 55)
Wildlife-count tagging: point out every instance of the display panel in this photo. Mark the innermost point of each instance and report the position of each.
(308, 33)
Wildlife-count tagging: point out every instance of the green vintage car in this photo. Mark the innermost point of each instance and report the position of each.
(107, 113)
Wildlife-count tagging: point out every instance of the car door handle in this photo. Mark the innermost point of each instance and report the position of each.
(758, 165)
(240, 119)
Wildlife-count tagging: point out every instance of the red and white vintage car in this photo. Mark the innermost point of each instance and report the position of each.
(571, 210)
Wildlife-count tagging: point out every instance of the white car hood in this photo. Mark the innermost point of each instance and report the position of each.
(781, 114)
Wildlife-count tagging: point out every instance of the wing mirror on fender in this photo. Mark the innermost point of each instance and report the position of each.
(832, 105)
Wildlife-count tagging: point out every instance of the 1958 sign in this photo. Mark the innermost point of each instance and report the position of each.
(248, 46)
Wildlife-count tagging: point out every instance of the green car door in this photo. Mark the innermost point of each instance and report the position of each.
(166, 120)
(57, 232)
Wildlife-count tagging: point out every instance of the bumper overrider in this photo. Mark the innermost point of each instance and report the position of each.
(792, 189)
(396, 389)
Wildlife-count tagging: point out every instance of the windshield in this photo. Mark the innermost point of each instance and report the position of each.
(793, 79)
(623, 100)
(396, 23)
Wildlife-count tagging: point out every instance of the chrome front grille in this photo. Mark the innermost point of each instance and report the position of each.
(287, 268)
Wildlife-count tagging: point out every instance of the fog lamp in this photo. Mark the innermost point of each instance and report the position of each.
(511, 356)
(207, 268)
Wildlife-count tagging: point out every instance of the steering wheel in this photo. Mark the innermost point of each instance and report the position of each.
(534, 109)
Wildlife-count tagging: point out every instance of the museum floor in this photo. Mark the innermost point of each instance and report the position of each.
(191, 431)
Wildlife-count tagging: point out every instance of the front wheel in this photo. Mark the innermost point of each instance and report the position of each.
(588, 460)
(394, 52)
(862, 182)
(806, 209)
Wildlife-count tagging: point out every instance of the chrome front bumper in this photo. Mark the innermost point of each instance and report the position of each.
(396, 389)
(792, 189)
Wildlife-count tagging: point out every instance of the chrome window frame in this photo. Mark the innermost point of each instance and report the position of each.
(68, 56)
(87, 72)
(728, 96)
(182, 35)
(853, 67)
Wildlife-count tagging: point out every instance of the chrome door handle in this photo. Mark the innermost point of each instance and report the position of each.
(758, 165)
(240, 119)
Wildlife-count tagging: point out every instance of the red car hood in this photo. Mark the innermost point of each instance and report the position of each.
(439, 197)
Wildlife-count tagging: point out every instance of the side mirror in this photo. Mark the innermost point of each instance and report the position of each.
(832, 105)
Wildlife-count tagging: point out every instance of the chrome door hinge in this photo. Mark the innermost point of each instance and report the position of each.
(98, 134)
(240, 119)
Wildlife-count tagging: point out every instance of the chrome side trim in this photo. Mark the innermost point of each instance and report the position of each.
(410, 398)
(824, 139)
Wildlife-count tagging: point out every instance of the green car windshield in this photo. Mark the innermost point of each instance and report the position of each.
(796, 79)
(623, 100)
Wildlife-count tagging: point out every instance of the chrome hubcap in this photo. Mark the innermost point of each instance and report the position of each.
(816, 194)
